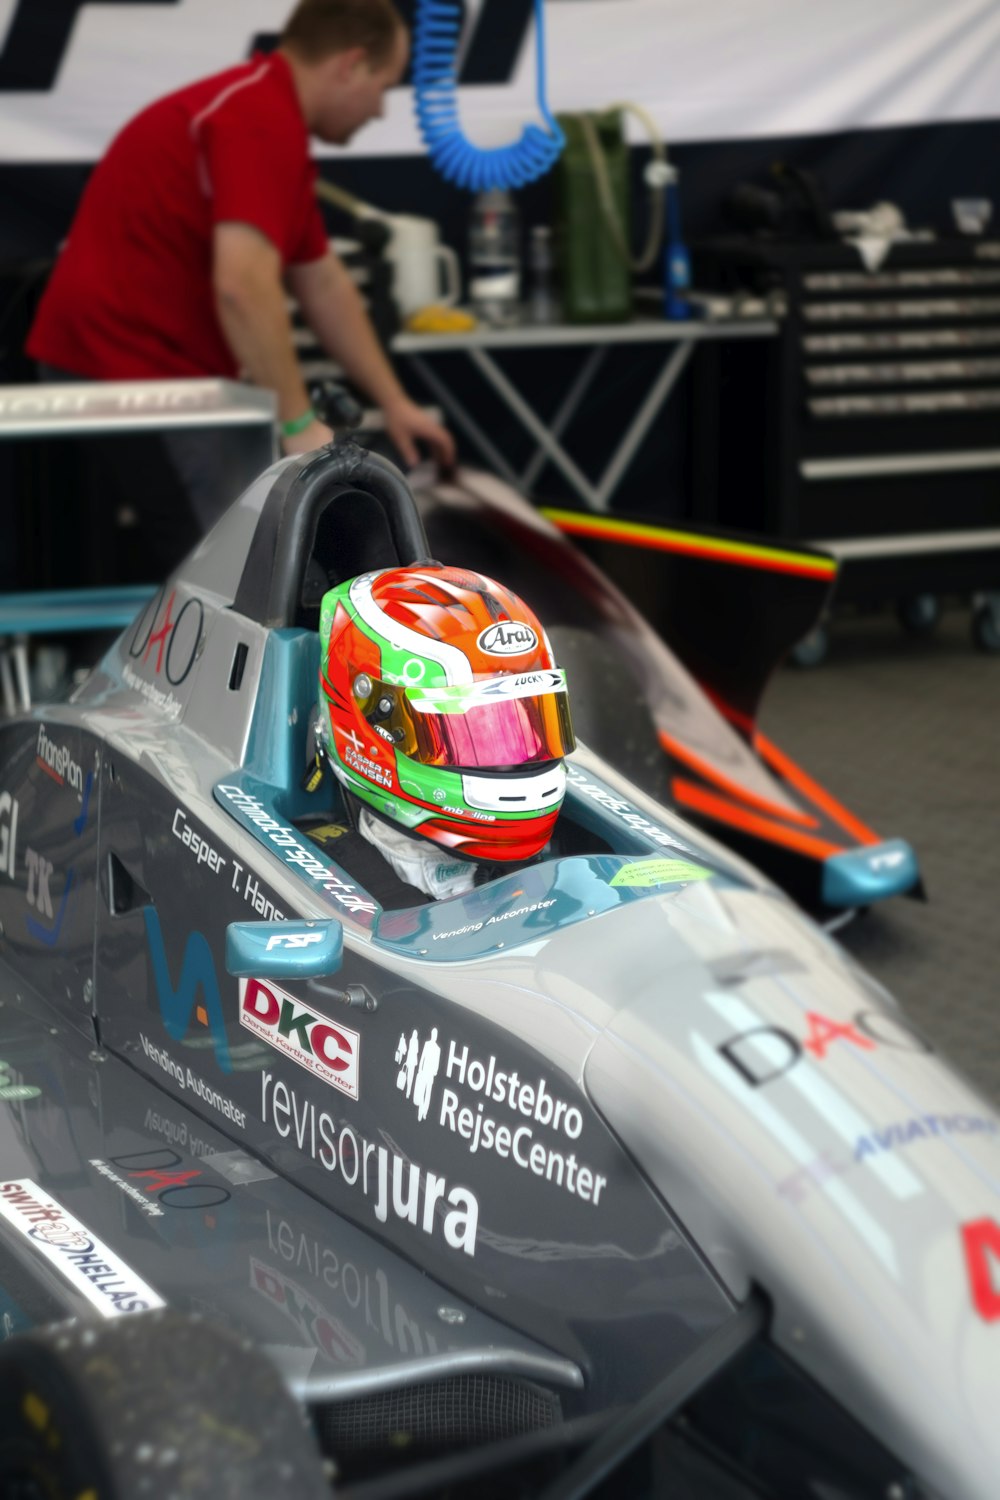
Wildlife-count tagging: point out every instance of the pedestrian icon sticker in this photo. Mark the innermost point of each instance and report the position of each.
(418, 1068)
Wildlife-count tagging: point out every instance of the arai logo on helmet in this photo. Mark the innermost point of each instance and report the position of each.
(507, 638)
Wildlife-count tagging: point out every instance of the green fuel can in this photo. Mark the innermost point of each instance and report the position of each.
(596, 281)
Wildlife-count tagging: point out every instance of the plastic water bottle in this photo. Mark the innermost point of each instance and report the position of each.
(495, 259)
(543, 305)
(677, 262)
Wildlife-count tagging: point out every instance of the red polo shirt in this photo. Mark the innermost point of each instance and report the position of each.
(131, 294)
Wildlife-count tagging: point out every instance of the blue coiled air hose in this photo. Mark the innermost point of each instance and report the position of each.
(475, 168)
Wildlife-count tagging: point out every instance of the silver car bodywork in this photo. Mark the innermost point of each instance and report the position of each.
(710, 1095)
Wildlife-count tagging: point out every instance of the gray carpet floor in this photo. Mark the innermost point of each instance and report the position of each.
(906, 732)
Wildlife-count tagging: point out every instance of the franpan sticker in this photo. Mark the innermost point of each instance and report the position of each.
(107, 1282)
(308, 1038)
(660, 872)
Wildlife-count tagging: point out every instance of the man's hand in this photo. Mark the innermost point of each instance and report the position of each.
(406, 423)
(335, 312)
(316, 435)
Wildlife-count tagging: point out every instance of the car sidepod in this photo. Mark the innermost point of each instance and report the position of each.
(813, 1143)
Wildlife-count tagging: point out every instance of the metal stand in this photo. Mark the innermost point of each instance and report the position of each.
(480, 346)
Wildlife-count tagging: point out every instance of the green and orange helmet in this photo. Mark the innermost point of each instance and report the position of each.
(441, 708)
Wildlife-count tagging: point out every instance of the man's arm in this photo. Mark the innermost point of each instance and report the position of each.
(251, 306)
(336, 314)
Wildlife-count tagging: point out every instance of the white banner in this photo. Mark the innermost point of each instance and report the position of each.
(707, 69)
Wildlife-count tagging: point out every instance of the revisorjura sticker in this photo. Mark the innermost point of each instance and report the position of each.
(398, 1190)
(96, 1272)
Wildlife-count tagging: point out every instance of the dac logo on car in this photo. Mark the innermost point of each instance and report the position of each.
(308, 1038)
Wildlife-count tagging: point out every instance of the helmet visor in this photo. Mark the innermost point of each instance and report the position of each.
(496, 724)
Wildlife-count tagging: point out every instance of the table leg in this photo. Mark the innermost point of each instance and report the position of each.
(543, 437)
(470, 426)
(641, 423)
(564, 415)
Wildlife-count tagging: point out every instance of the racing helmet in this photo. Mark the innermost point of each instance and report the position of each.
(442, 709)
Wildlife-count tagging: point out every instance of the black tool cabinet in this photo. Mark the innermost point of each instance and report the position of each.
(872, 423)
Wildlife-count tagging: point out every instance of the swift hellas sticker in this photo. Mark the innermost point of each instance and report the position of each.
(95, 1271)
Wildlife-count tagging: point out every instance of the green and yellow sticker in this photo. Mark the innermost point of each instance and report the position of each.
(10, 1090)
(645, 872)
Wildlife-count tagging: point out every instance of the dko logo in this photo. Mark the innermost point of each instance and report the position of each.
(197, 978)
(8, 834)
(171, 644)
(418, 1068)
(507, 638)
(314, 1042)
(155, 1172)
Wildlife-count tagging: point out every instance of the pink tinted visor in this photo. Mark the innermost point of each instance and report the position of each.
(501, 723)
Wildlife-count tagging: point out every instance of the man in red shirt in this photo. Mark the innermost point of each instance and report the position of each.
(200, 216)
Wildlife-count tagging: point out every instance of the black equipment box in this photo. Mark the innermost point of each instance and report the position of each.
(873, 420)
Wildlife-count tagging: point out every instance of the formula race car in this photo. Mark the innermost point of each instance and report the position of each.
(614, 1174)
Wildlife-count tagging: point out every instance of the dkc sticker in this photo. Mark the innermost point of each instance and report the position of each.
(314, 1042)
(981, 1242)
(170, 645)
(765, 1053)
(196, 992)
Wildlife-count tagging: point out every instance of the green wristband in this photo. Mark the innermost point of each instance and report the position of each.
(292, 429)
